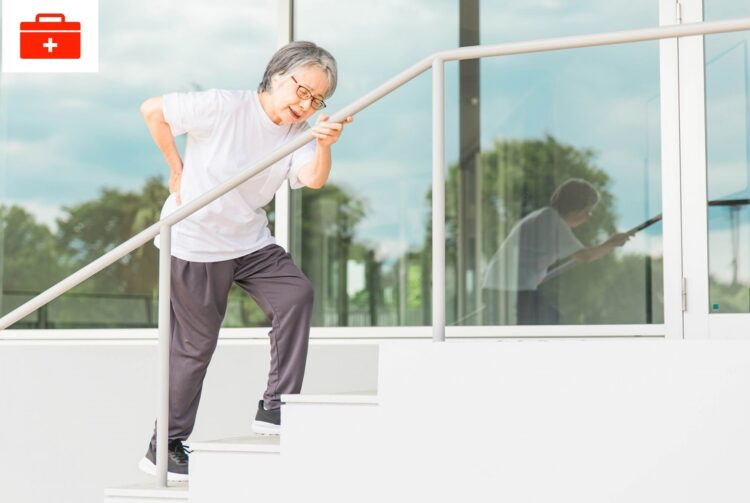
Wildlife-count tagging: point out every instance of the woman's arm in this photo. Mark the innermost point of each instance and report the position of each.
(596, 252)
(153, 113)
(315, 173)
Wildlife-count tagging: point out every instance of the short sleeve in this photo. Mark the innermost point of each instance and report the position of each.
(194, 112)
(300, 157)
(568, 243)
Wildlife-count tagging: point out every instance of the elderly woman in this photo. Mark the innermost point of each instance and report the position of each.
(228, 241)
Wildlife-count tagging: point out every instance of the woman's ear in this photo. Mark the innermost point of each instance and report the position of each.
(276, 81)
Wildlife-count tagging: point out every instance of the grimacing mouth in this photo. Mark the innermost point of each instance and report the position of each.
(295, 114)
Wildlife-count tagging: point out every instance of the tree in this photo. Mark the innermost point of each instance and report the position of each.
(124, 294)
(331, 215)
(32, 260)
(91, 229)
(518, 176)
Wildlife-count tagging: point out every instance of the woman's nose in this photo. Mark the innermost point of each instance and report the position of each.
(305, 104)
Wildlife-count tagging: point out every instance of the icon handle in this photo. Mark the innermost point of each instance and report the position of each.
(56, 16)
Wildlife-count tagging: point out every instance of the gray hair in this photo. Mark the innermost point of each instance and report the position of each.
(296, 55)
(574, 195)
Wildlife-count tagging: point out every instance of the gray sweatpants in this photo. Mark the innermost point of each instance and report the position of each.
(199, 302)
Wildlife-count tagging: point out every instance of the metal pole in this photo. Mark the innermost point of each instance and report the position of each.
(282, 201)
(162, 417)
(438, 200)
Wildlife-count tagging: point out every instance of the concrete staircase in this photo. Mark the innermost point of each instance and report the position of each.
(526, 421)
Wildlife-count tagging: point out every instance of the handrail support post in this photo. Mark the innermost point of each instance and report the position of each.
(438, 200)
(162, 418)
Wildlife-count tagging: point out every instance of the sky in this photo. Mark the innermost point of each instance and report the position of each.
(67, 136)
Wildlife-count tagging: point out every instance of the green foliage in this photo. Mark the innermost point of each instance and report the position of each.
(612, 290)
(728, 297)
(325, 245)
(32, 260)
(91, 229)
(122, 295)
(518, 177)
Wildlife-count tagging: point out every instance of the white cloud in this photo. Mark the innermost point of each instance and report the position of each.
(39, 169)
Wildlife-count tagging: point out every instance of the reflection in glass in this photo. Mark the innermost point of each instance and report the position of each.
(536, 121)
(551, 245)
(728, 167)
(592, 115)
(363, 239)
(517, 128)
(539, 247)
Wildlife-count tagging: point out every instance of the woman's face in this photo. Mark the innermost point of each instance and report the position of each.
(286, 107)
(576, 218)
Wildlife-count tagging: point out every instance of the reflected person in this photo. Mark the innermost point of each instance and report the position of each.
(539, 240)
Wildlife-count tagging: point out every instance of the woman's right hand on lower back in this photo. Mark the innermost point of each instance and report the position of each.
(174, 185)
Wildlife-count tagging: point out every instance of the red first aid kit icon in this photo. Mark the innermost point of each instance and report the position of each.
(53, 38)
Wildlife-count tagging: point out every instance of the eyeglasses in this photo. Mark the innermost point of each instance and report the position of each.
(306, 94)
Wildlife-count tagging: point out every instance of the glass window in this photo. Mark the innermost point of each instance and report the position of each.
(555, 202)
(516, 129)
(728, 161)
(362, 238)
(80, 171)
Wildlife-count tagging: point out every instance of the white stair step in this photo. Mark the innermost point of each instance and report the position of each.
(314, 421)
(252, 443)
(230, 470)
(369, 397)
(324, 440)
(255, 467)
(615, 421)
(148, 493)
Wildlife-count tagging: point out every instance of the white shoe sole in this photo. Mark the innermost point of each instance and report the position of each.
(147, 466)
(264, 428)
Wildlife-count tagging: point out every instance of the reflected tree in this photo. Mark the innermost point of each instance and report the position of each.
(123, 294)
(326, 246)
(518, 176)
(31, 256)
(90, 229)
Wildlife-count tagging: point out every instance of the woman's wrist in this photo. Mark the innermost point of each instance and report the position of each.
(175, 165)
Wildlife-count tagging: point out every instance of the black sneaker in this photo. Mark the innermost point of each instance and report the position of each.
(177, 466)
(267, 422)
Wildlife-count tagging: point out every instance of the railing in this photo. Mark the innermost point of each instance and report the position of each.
(437, 63)
(126, 302)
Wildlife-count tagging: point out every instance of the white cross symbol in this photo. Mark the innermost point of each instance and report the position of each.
(50, 44)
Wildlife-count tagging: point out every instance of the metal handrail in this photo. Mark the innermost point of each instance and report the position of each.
(435, 61)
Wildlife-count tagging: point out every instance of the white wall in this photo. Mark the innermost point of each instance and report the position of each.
(76, 417)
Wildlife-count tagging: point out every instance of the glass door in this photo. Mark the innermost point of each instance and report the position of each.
(716, 175)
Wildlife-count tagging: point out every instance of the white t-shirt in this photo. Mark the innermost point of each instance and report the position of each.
(536, 242)
(228, 132)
